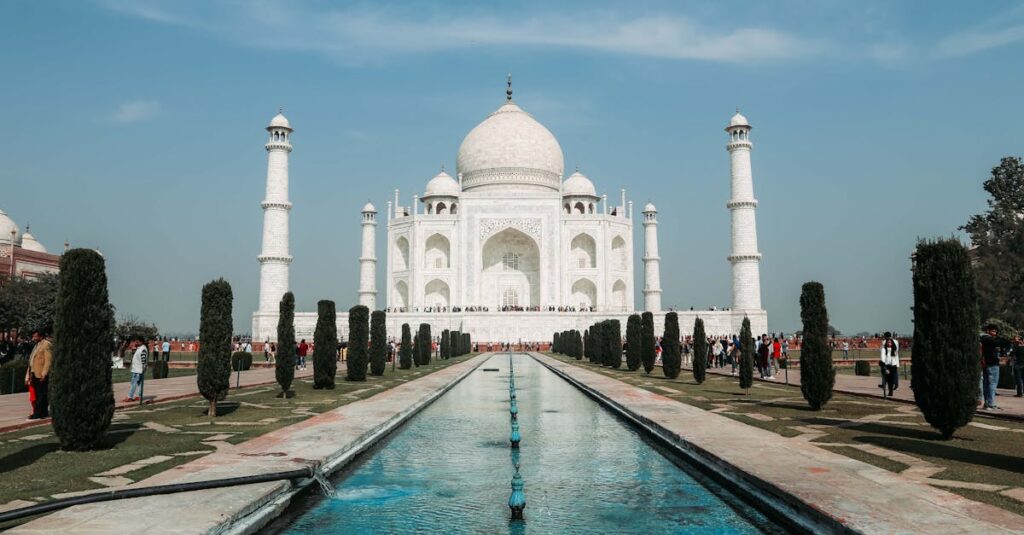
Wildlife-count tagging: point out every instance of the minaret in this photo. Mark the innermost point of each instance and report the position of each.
(274, 258)
(368, 259)
(745, 259)
(652, 262)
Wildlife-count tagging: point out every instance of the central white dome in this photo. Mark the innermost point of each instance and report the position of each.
(510, 148)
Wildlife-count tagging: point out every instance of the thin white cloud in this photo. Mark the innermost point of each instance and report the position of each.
(136, 111)
(1004, 29)
(359, 34)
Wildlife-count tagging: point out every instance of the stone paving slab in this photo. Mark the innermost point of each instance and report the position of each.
(329, 438)
(15, 408)
(862, 497)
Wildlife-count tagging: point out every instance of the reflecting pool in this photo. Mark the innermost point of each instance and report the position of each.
(448, 470)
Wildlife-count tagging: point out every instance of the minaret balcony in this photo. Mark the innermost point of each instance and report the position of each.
(274, 259)
(274, 204)
(748, 203)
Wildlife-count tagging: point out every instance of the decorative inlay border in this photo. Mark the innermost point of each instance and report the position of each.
(529, 226)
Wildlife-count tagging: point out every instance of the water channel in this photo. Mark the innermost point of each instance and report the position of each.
(448, 470)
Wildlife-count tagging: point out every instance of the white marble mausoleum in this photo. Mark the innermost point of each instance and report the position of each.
(509, 248)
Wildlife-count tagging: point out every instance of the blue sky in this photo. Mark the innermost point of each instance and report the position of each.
(136, 127)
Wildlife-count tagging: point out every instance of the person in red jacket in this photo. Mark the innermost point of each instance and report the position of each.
(302, 351)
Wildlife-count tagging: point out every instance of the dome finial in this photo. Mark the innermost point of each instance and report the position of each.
(280, 109)
(442, 167)
(508, 92)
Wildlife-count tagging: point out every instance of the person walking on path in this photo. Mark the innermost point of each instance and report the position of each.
(776, 354)
(37, 377)
(139, 359)
(1018, 365)
(302, 351)
(992, 345)
(890, 359)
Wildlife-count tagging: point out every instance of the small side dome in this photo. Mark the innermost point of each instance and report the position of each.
(442, 185)
(738, 120)
(649, 207)
(280, 121)
(6, 226)
(29, 243)
(369, 208)
(578, 184)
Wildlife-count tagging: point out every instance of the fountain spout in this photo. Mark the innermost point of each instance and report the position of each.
(517, 501)
(514, 438)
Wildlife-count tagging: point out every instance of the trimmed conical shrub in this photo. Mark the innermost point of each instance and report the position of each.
(81, 396)
(325, 346)
(578, 341)
(746, 355)
(944, 361)
(425, 344)
(284, 363)
(613, 335)
(358, 342)
(647, 341)
(378, 343)
(633, 361)
(444, 346)
(405, 349)
(700, 351)
(671, 353)
(817, 376)
(213, 367)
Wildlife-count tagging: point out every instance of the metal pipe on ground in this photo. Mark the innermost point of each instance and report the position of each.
(63, 503)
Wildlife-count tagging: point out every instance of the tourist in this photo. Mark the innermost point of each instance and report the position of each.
(138, 369)
(890, 360)
(167, 349)
(37, 377)
(846, 350)
(991, 347)
(266, 351)
(785, 347)
(762, 357)
(776, 354)
(302, 350)
(1018, 365)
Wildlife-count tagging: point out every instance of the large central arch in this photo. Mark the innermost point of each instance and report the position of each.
(511, 270)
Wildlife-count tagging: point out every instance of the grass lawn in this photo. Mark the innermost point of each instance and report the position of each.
(987, 456)
(123, 375)
(33, 468)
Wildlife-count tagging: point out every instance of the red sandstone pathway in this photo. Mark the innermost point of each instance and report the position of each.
(1011, 407)
(15, 408)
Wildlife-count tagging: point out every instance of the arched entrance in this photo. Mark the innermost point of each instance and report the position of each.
(511, 270)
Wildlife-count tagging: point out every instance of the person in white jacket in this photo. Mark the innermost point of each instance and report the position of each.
(139, 359)
(890, 359)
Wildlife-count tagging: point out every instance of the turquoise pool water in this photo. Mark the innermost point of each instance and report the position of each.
(448, 470)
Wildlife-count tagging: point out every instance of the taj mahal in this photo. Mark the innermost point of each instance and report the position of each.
(509, 249)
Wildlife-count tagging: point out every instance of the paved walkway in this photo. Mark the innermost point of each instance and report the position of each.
(860, 497)
(15, 408)
(1010, 406)
(327, 441)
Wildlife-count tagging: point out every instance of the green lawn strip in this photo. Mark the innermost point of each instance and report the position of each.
(974, 455)
(123, 375)
(33, 468)
(874, 460)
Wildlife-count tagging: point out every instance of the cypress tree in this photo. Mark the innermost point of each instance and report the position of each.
(378, 343)
(614, 340)
(213, 367)
(633, 342)
(597, 331)
(416, 353)
(455, 339)
(647, 354)
(426, 343)
(817, 376)
(579, 346)
(700, 351)
(358, 342)
(444, 344)
(555, 346)
(746, 355)
(405, 349)
(325, 346)
(467, 343)
(944, 360)
(284, 363)
(671, 355)
(81, 395)
(587, 343)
